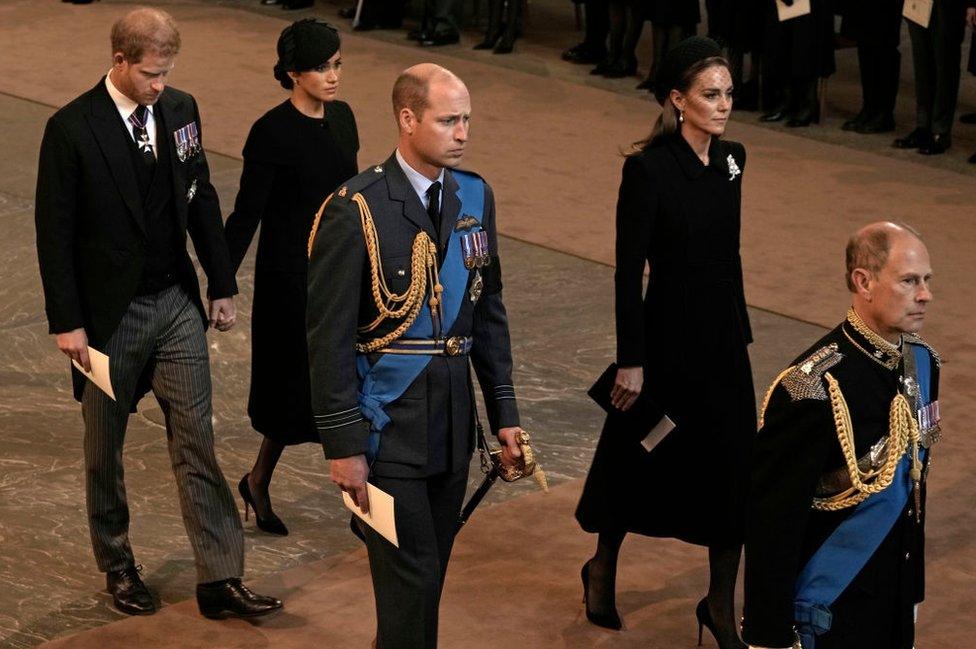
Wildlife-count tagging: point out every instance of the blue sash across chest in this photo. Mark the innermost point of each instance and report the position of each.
(838, 561)
(388, 378)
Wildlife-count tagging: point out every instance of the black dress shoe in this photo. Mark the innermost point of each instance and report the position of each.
(880, 123)
(583, 54)
(418, 34)
(231, 598)
(602, 67)
(968, 118)
(440, 38)
(129, 593)
(297, 4)
(804, 116)
(854, 123)
(777, 114)
(940, 144)
(346, 12)
(972, 159)
(621, 69)
(646, 84)
(505, 45)
(270, 524)
(918, 138)
(269, 3)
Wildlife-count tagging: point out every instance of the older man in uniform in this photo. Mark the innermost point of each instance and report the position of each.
(834, 538)
(405, 286)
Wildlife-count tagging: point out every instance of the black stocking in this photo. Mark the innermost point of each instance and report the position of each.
(723, 567)
(603, 572)
(260, 478)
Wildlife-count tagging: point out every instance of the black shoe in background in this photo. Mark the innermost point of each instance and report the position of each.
(602, 67)
(621, 69)
(129, 593)
(939, 144)
(968, 118)
(777, 114)
(437, 39)
(856, 122)
(972, 159)
(583, 54)
(880, 123)
(297, 4)
(346, 12)
(916, 139)
(231, 598)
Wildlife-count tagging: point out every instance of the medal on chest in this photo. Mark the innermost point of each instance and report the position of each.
(475, 254)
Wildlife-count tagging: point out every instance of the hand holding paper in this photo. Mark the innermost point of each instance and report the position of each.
(380, 517)
(98, 373)
(350, 474)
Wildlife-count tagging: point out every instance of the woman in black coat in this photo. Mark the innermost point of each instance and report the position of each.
(683, 343)
(296, 154)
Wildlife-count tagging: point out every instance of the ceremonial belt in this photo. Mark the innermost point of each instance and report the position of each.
(838, 561)
(453, 346)
(384, 381)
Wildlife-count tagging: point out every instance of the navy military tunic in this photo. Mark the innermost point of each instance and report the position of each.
(795, 447)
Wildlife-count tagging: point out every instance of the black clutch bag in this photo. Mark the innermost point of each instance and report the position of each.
(642, 417)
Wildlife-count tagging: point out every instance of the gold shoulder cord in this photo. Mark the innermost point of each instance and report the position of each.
(407, 305)
(769, 394)
(902, 432)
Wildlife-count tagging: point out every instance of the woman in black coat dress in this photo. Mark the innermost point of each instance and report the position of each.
(296, 154)
(684, 343)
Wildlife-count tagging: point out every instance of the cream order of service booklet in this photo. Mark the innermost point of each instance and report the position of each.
(380, 516)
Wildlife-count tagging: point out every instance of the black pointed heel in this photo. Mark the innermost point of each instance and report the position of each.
(609, 620)
(705, 621)
(272, 524)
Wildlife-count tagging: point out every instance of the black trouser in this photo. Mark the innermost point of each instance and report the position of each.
(407, 581)
(596, 15)
(879, 61)
(936, 53)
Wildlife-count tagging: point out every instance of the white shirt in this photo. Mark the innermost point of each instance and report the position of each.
(126, 107)
(418, 181)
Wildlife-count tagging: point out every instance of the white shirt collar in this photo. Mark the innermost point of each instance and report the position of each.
(124, 105)
(418, 181)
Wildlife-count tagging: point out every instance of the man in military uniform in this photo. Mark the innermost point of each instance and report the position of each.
(405, 286)
(834, 538)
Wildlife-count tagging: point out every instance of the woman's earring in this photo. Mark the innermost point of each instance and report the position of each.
(681, 116)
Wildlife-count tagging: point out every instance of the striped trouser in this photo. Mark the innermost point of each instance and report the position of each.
(162, 335)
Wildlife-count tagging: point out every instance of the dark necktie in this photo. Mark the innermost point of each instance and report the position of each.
(434, 208)
(138, 120)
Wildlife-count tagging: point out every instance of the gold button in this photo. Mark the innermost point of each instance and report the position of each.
(401, 272)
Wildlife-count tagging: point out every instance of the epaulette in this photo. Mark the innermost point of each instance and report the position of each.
(805, 379)
(915, 339)
(358, 183)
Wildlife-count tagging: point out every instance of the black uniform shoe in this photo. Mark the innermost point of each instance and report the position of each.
(940, 144)
(440, 38)
(583, 54)
(968, 118)
(621, 69)
(129, 593)
(777, 114)
(346, 12)
(856, 122)
(602, 67)
(231, 598)
(297, 4)
(972, 159)
(881, 123)
(918, 138)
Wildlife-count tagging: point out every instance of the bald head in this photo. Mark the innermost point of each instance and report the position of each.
(145, 30)
(412, 88)
(869, 247)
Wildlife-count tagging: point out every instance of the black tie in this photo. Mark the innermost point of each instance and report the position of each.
(434, 208)
(141, 134)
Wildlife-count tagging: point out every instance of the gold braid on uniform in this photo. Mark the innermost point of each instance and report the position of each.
(902, 432)
(406, 305)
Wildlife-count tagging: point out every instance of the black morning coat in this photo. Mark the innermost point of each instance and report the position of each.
(795, 447)
(91, 230)
(431, 427)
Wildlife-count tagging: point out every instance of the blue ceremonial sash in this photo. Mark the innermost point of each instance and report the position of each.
(383, 382)
(842, 556)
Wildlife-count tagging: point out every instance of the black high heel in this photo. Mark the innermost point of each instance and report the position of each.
(609, 620)
(272, 524)
(705, 620)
